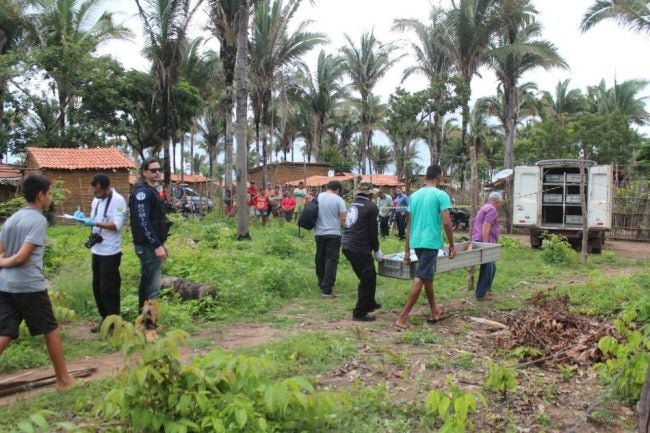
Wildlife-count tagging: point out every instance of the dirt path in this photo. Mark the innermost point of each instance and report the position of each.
(228, 338)
(623, 249)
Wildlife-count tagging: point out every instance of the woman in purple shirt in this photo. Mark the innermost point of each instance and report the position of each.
(486, 229)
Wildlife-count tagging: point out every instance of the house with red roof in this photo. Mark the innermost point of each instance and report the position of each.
(75, 168)
(10, 178)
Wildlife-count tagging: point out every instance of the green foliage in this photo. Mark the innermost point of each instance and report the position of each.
(556, 250)
(624, 372)
(500, 379)
(523, 353)
(219, 393)
(452, 406)
(9, 207)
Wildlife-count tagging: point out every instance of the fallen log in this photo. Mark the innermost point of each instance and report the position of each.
(188, 289)
(488, 323)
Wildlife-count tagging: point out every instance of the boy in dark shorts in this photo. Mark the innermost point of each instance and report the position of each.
(23, 293)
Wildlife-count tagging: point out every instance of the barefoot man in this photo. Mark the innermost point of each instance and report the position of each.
(428, 212)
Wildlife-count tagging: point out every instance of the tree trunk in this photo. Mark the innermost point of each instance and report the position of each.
(464, 146)
(227, 159)
(192, 135)
(182, 168)
(242, 120)
(583, 207)
(510, 124)
(473, 188)
(643, 405)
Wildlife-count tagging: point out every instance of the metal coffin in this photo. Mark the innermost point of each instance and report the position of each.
(393, 265)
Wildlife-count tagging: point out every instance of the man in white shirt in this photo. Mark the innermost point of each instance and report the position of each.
(108, 211)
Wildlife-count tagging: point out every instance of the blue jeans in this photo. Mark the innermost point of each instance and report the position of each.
(150, 273)
(485, 278)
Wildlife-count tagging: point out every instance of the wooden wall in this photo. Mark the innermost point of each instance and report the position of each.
(278, 174)
(77, 182)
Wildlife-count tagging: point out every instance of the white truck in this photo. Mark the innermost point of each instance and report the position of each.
(547, 200)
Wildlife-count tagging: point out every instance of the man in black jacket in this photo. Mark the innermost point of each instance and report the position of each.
(150, 228)
(359, 240)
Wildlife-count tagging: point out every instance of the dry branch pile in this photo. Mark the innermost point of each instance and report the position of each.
(562, 336)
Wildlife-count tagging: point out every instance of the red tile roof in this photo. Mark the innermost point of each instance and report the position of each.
(375, 179)
(9, 171)
(75, 159)
(187, 178)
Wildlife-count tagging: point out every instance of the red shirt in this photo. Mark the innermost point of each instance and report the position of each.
(252, 195)
(262, 202)
(288, 203)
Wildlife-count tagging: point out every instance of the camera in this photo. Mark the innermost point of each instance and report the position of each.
(93, 239)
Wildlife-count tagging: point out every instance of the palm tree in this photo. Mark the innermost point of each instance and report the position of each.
(432, 62)
(517, 51)
(321, 92)
(201, 70)
(224, 25)
(469, 29)
(212, 129)
(381, 156)
(71, 30)
(366, 64)
(241, 72)
(634, 14)
(563, 102)
(623, 97)
(165, 24)
(273, 47)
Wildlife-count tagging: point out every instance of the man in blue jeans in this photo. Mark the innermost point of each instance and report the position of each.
(331, 213)
(150, 228)
(428, 212)
(486, 229)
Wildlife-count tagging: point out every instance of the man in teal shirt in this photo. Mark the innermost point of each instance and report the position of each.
(428, 213)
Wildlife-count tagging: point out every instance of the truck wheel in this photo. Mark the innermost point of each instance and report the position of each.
(596, 245)
(535, 241)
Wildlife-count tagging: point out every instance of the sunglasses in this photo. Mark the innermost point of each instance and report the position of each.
(155, 170)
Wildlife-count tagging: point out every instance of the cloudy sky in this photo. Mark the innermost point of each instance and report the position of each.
(606, 52)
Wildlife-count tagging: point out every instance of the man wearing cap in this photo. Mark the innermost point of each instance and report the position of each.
(359, 241)
(486, 229)
(327, 231)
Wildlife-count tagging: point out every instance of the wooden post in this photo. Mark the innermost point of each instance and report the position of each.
(643, 405)
(585, 220)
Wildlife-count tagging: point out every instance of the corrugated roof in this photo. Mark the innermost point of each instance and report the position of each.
(76, 159)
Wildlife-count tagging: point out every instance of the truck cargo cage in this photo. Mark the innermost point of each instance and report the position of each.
(393, 265)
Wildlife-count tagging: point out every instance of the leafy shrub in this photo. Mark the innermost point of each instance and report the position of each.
(630, 356)
(9, 207)
(453, 407)
(217, 393)
(557, 250)
(500, 379)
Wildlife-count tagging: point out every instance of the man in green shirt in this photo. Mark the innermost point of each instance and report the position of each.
(428, 213)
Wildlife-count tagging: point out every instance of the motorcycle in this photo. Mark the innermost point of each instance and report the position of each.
(459, 218)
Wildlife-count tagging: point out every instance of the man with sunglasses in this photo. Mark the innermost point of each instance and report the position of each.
(150, 228)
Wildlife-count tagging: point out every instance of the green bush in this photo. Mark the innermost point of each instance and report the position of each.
(557, 250)
(624, 372)
(217, 393)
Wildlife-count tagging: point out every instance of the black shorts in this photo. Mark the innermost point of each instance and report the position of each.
(35, 308)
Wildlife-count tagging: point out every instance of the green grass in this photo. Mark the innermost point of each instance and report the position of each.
(271, 280)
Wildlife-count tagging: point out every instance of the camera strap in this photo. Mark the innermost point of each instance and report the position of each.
(108, 203)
